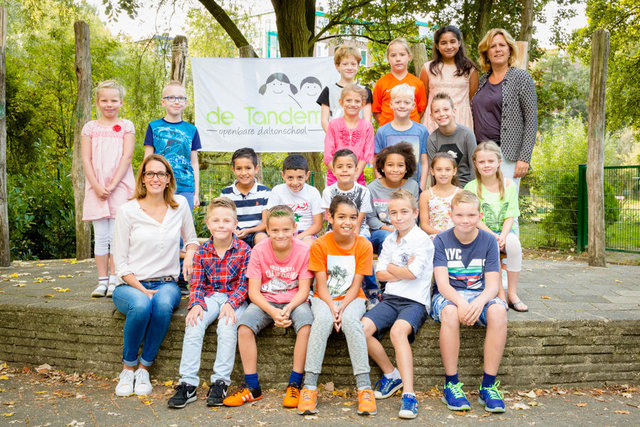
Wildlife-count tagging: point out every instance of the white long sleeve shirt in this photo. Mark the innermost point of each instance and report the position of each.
(147, 248)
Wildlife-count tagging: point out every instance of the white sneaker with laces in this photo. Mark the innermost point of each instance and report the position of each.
(125, 385)
(110, 289)
(143, 384)
(100, 290)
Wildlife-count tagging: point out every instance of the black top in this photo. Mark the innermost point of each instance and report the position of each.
(487, 113)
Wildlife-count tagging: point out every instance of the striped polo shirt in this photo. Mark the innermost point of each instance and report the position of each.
(249, 206)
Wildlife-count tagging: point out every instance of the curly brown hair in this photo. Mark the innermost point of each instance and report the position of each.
(405, 150)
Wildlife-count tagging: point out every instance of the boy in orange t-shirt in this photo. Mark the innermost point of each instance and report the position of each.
(398, 55)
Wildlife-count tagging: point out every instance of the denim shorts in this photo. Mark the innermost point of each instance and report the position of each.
(393, 308)
(256, 319)
(439, 302)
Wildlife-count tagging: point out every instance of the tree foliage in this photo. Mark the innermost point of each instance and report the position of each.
(622, 19)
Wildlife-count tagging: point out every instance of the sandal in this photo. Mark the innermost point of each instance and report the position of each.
(518, 306)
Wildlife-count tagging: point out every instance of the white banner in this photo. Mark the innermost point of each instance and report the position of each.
(266, 104)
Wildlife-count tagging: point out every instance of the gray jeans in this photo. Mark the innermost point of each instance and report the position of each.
(354, 333)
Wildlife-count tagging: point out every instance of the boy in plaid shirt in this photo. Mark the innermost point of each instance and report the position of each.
(218, 291)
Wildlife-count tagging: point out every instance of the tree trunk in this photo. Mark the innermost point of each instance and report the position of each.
(83, 114)
(420, 57)
(179, 54)
(595, 142)
(484, 15)
(526, 21)
(5, 247)
(293, 20)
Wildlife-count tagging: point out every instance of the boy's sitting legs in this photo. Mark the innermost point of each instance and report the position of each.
(192, 351)
(251, 323)
(493, 317)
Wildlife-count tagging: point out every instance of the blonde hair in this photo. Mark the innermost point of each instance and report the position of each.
(402, 194)
(345, 51)
(402, 41)
(281, 211)
(140, 191)
(403, 90)
(465, 196)
(222, 202)
(485, 44)
(172, 83)
(109, 84)
(489, 147)
(358, 90)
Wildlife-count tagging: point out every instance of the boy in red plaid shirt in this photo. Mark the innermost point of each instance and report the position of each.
(218, 291)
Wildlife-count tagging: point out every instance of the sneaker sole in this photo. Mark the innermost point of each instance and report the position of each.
(492, 410)
(212, 404)
(308, 412)
(191, 399)
(379, 395)
(97, 295)
(367, 413)
(455, 408)
(407, 415)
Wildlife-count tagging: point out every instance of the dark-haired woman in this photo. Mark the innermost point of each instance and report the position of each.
(452, 72)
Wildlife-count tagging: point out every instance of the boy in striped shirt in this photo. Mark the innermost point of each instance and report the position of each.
(250, 197)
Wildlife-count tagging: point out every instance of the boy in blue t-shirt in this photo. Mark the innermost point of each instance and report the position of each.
(177, 141)
(466, 269)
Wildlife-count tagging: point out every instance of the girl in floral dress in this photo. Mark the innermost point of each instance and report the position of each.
(435, 202)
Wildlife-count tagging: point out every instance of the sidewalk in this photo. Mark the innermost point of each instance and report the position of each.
(48, 399)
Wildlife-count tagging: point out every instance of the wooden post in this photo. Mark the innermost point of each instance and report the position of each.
(248, 52)
(82, 116)
(420, 57)
(5, 248)
(595, 143)
(179, 53)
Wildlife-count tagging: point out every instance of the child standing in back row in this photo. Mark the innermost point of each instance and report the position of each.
(398, 55)
(107, 149)
(347, 60)
(349, 131)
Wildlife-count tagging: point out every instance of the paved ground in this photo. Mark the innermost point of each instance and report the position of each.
(51, 398)
(561, 290)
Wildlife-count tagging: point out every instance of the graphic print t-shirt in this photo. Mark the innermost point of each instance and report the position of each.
(279, 278)
(175, 142)
(305, 203)
(467, 263)
(494, 209)
(340, 264)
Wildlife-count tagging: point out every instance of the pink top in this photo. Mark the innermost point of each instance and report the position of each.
(107, 143)
(279, 278)
(458, 89)
(359, 140)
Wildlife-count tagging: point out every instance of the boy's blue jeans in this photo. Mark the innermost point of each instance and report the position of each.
(227, 334)
(147, 319)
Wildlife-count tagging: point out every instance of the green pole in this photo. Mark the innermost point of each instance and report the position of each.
(583, 216)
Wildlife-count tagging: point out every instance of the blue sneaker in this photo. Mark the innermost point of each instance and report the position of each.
(491, 398)
(454, 397)
(385, 387)
(409, 407)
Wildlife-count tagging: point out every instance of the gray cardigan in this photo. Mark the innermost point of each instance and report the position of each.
(519, 114)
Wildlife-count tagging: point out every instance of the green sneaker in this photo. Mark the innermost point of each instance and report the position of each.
(454, 397)
(491, 398)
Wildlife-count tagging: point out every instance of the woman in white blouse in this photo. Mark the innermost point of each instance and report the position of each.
(146, 253)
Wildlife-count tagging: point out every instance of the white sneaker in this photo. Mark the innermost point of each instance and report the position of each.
(143, 385)
(100, 290)
(110, 289)
(125, 385)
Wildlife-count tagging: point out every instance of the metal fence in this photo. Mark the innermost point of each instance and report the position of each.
(553, 205)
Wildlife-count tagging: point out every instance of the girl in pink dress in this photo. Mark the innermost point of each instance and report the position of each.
(350, 131)
(107, 149)
(452, 72)
(435, 202)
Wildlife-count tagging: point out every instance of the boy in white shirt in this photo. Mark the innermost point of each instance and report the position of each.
(303, 199)
(406, 264)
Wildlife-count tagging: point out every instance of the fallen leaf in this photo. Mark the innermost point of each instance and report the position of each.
(618, 281)
(63, 290)
(41, 392)
(168, 383)
(13, 275)
(48, 296)
(4, 377)
(530, 395)
(38, 280)
(44, 368)
(40, 265)
(346, 409)
(329, 386)
(147, 402)
(622, 412)
(520, 405)
(545, 297)
(80, 396)
(8, 414)
(20, 285)
(627, 395)
(578, 393)
(115, 414)
(348, 403)
(534, 403)
(2, 389)
(310, 417)
(581, 405)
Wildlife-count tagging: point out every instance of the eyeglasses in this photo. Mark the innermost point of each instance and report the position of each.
(179, 99)
(160, 175)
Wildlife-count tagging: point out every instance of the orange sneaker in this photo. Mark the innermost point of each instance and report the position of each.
(244, 394)
(308, 403)
(291, 396)
(366, 402)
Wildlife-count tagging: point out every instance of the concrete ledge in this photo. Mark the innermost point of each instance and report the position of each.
(573, 334)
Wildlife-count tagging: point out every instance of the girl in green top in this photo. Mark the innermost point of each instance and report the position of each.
(499, 205)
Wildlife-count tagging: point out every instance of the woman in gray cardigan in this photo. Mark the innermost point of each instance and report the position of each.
(504, 106)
